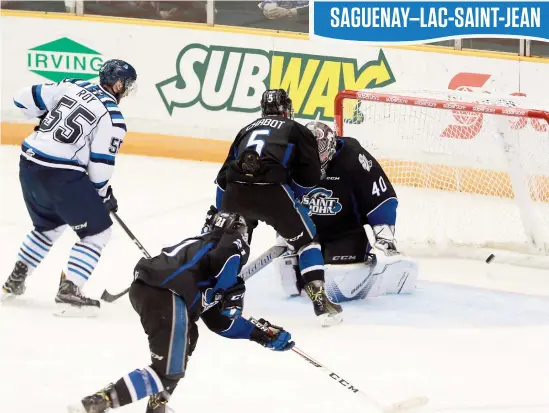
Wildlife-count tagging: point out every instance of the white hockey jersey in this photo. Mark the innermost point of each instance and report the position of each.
(82, 128)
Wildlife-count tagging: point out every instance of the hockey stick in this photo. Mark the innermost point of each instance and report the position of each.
(130, 234)
(262, 261)
(255, 266)
(402, 406)
(106, 296)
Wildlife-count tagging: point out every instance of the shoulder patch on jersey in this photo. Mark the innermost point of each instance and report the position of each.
(365, 162)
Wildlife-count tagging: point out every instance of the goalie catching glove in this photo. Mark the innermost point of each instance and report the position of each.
(271, 336)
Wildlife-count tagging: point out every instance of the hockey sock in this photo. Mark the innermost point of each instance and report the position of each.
(85, 256)
(36, 246)
(137, 385)
(82, 261)
(311, 262)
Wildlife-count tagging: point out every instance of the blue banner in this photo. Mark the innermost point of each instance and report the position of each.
(420, 22)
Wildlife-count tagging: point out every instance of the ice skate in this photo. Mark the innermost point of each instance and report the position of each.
(158, 403)
(99, 402)
(15, 284)
(328, 312)
(72, 303)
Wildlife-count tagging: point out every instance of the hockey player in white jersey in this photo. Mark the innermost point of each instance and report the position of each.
(65, 168)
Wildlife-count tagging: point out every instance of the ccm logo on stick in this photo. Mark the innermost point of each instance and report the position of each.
(344, 382)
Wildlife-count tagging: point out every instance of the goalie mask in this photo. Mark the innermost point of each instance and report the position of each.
(276, 102)
(326, 141)
(230, 221)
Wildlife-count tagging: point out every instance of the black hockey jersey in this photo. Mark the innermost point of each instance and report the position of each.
(354, 192)
(196, 268)
(287, 151)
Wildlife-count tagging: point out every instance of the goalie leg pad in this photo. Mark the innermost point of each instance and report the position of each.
(353, 282)
(286, 268)
(399, 273)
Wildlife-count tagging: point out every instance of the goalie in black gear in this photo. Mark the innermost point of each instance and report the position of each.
(197, 278)
(272, 162)
(354, 196)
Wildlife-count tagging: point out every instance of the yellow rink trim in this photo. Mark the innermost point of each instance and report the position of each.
(406, 173)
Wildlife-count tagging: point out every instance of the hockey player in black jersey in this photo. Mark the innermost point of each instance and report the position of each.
(354, 193)
(197, 278)
(272, 162)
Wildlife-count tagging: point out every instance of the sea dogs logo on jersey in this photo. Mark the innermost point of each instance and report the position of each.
(233, 78)
(64, 58)
(365, 162)
(321, 202)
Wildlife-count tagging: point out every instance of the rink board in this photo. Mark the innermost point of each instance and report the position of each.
(407, 173)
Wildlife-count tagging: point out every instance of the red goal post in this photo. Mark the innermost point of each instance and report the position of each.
(477, 160)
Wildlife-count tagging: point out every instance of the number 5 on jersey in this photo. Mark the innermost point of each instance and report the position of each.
(256, 140)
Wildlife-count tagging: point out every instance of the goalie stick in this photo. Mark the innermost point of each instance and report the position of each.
(252, 268)
(398, 407)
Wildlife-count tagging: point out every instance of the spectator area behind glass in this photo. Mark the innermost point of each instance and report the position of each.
(183, 11)
(292, 16)
(47, 6)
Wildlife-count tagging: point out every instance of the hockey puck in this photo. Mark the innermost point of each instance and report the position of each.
(490, 258)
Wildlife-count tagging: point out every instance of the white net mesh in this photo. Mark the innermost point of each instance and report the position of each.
(465, 177)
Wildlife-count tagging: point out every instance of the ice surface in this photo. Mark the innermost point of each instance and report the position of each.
(474, 338)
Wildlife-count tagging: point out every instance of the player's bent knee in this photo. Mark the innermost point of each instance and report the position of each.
(101, 239)
(311, 262)
(168, 380)
(54, 234)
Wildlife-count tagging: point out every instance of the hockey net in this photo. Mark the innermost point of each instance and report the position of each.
(471, 169)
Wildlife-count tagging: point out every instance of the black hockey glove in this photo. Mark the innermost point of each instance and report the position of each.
(209, 220)
(271, 336)
(110, 201)
(232, 299)
(40, 119)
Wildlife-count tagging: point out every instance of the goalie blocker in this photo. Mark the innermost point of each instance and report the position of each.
(354, 209)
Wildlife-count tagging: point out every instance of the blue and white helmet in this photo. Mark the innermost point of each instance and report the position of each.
(115, 70)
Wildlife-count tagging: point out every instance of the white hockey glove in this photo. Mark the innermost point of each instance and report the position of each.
(385, 239)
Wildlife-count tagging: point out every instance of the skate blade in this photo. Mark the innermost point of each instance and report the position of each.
(67, 310)
(76, 408)
(5, 296)
(328, 320)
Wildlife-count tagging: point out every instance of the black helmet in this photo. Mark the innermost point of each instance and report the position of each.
(276, 102)
(115, 70)
(230, 221)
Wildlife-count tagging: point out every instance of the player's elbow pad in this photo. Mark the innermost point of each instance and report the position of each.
(384, 213)
(31, 107)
